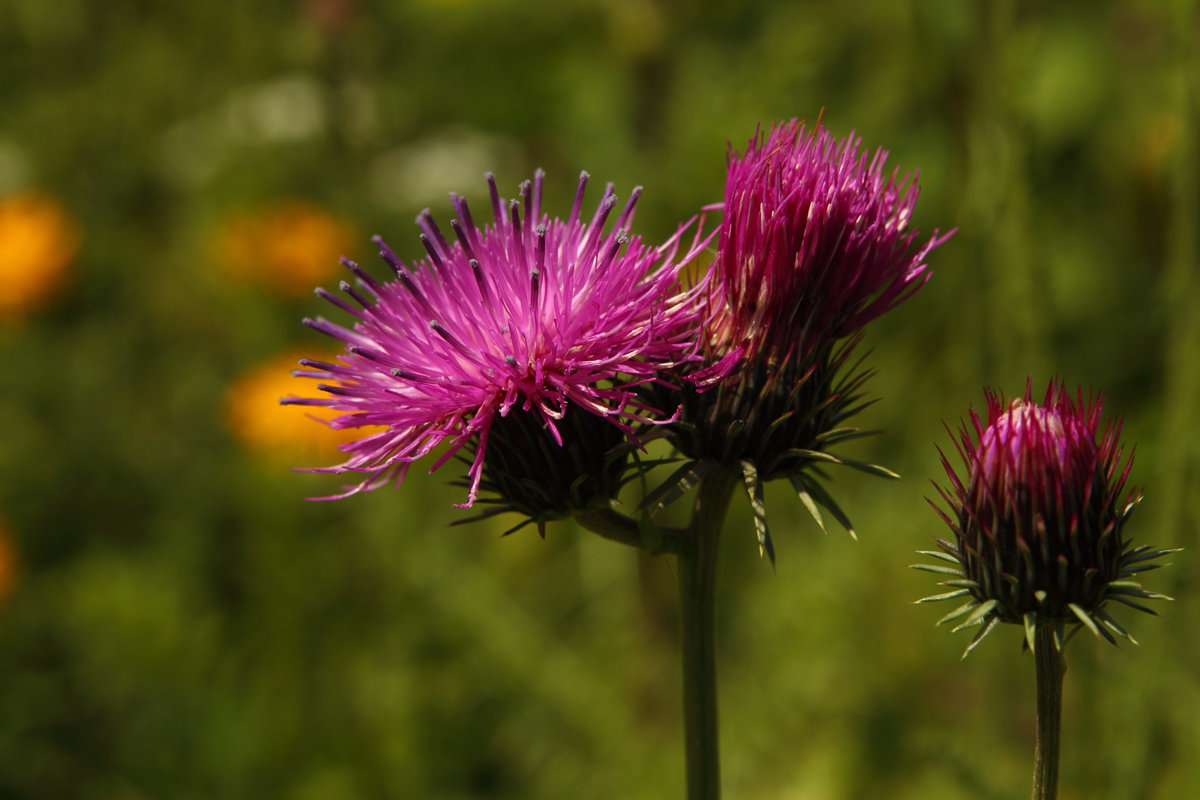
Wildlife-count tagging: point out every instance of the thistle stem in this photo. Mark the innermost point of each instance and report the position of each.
(616, 527)
(697, 610)
(1050, 670)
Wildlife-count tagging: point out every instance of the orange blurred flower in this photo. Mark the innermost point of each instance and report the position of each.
(332, 16)
(8, 564)
(290, 248)
(38, 241)
(278, 432)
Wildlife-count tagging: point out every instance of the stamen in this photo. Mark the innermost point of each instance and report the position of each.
(578, 204)
(517, 237)
(626, 217)
(324, 294)
(477, 271)
(407, 282)
(527, 196)
(363, 276)
(534, 280)
(358, 298)
(449, 337)
(539, 177)
(429, 225)
(388, 256)
(540, 255)
(596, 227)
(463, 237)
(464, 213)
(434, 255)
(497, 207)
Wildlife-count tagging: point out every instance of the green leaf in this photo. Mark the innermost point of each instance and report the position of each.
(870, 469)
(677, 485)
(862, 466)
(1131, 589)
(1129, 572)
(979, 637)
(937, 568)
(962, 610)
(845, 435)
(755, 492)
(1030, 630)
(1113, 625)
(803, 482)
(815, 455)
(491, 512)
(939, 554)
(813, 511)
(1147, 553)
(1085, 618)
(979, 614)
(541, 525)
(1132, 604)
(933, 598)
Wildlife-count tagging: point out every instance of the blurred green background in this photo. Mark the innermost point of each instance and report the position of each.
(177, 622)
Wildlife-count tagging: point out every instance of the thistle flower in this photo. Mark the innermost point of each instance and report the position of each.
(519, 346)
(1039, 520)
(815, 243)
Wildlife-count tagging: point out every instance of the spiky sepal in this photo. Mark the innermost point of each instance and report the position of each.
(765, 421)
(983, 611)
(528, 472)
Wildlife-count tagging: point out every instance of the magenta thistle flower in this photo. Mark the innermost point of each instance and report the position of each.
(816, 240)
(1039, 520)
(533, 331)
(815, 243)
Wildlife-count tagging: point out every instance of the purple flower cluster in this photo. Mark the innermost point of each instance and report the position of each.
(508, 344)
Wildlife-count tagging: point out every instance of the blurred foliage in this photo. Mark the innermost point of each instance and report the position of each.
(175, 620)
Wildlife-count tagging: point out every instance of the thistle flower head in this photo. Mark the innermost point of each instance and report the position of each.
(815, 241)
(1039, 518)
(814, 244)
(523, 330)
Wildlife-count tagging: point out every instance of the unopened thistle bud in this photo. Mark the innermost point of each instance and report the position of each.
(1039, 520)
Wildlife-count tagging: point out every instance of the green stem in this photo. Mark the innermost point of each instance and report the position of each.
(646, 535)
(1050, 670)
(697, 610)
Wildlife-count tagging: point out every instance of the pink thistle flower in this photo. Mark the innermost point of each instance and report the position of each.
(529, 328)
(1039, 519)
(816, 240)
(815, 243)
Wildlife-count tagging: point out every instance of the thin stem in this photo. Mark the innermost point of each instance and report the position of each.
(1050, 670)
(697, 610)
(645, 535)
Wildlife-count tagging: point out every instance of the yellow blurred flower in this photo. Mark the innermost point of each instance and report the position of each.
(291, 248)
(38, 241)
(278, 432)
